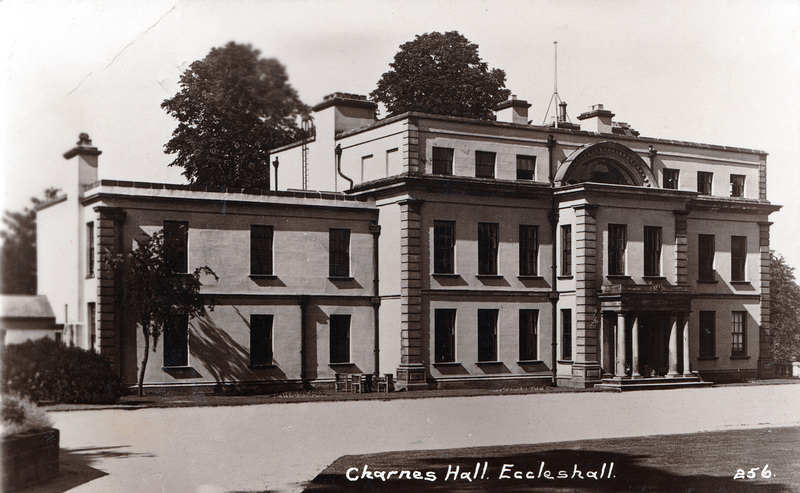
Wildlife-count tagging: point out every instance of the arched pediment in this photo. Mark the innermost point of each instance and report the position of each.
(605, 162)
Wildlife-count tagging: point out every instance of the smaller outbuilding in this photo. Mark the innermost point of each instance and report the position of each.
(24, 317)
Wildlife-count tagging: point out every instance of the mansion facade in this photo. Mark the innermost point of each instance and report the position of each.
(451, 252)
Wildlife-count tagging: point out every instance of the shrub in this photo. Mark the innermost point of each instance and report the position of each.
(46, 370)
(20, 415)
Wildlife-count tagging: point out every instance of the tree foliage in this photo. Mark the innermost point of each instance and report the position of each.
(441, 74)
(784, 311)
(18, 255)
(156, 295)
(233, 107)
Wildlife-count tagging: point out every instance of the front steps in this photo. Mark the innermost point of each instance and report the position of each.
(650, 383)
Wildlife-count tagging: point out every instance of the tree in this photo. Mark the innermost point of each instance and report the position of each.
(18, 255)
(784, 311)
(155, 293)
(441, 74)
(233, 107)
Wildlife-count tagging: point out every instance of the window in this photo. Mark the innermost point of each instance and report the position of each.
(487, 249)
(444, 241)
(340, 338)
(91, 311)
(339, 255)
(487, 335)
(704, 181)
(652, 251)
(528, 250)
(442, 161)
(738, 257)
(616, 249)
(528, 320)
(566, 334)
(738, 333)
(566, 250)
(176, 342)
(705, 257)
(261, 250)
(260, 340)
(526, 167)
(445, 335)
(708, 331)
(90, 249)
(737, 185)
(484, 164)
(176, 239)
(670, 178)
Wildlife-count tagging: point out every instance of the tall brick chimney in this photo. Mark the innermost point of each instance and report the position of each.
(87, 160)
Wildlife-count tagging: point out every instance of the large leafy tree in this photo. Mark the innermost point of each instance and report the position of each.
(784, 311)
(441, 74)
(18, 254)
(156, 295)
(233, 107)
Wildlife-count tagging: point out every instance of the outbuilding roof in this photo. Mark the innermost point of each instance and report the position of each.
(25, 306)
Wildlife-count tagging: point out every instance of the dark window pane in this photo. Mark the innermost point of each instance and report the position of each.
(566, 250)
(261, 250)
(652, 251)
(339, 253)
(705, 257)
(738, 333)
(707, 334)
(340, 338)
(260, 339)
(566, 334)
(487, 335)
(442, 161)
(444, 247)
(484, 164)
(528, 250)
(526, 167)
(176, 238)
(527, 334)
(704, 182)
(90, 249)
(445, 337)
(738, 257)
(176, 342)
(737, 185)
(671, 178)
(616, 249)
(487, 248)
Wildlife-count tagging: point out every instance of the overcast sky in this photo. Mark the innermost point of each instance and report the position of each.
(717, 72)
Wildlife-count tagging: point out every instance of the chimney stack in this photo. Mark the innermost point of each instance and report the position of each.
(596, 120)
(513, 111)
(87, 159)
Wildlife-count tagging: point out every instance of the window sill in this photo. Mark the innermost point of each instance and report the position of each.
(489, 363)
(340, 278)
(522, 277)
(530, 362)
(618, 277)
(264, 366)
(564, 278)
(707, 281)
(89, 276)
(707, 358)
(340, 364)
(489, 276)
(447, 363)
(744, 356)
(740, 283)
(654, 278)
(445, 275)
(263, 276)
(564, 361)
(168, 368)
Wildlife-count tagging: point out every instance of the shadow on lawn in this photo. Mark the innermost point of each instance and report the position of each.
(75, 468)
(629, 473)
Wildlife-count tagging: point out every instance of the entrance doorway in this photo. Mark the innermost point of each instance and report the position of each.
(654, 343)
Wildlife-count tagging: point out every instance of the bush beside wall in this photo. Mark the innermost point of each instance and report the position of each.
(47, 371)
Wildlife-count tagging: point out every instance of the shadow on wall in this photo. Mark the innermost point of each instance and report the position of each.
(223, 357)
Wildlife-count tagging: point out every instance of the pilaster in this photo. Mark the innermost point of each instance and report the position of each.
(109, 283)
(764, 345)
(681, 248)
(411, 150)
(762, 178)
(586, 367)
(411, 373)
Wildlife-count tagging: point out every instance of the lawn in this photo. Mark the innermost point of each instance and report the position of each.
(669, 463)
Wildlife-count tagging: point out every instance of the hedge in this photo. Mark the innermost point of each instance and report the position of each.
(48, 371)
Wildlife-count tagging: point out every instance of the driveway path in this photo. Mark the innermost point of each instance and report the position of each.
(281, 446)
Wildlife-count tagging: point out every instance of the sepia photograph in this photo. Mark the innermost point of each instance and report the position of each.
(368, 246)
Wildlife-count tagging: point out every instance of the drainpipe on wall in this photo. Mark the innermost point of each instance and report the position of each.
(303, 300)
(652, 152)
(375, 229)
(275, 163)
(338, 152)
(553, 217)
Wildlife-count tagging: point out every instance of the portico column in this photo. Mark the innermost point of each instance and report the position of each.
(673, 347)
(687, 371)
(620, 352)
(635, 348)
